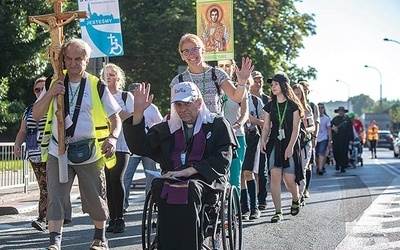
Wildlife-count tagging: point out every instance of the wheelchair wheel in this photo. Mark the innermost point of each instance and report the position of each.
(234, 220)
(231, 220)
(149, 224)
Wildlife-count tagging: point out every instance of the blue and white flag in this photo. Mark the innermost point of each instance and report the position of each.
(102, 30)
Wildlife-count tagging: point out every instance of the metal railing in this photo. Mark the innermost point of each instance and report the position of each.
(14, 171)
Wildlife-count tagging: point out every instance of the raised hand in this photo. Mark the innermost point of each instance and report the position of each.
(244, 73)
(142, 98)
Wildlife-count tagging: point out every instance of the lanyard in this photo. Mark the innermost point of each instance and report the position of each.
(281, 117)
(73, 94)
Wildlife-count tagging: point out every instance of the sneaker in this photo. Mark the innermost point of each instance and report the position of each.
(277, 217)
(306, 194)
(119, 226)
(98, 245)
(302, 201)
(255, 214)
(295, 208)
(52, 247)
(39, 224)
(110, 227)
(246, 215)
(262, 207)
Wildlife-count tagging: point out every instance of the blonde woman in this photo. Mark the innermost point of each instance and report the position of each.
(114, 76)
(307, 130)
(212, 82)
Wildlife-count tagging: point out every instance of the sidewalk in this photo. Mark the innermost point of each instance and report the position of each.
(14, 201)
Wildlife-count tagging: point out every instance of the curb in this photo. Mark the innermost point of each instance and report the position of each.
(15, 201)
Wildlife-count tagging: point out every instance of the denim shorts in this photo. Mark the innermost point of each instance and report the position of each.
(271, 160)
(320, 149)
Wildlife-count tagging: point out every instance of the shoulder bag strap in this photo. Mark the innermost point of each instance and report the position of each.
(71, 130)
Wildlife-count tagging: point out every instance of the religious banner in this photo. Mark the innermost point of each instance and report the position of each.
(215, 28)
(102, 30)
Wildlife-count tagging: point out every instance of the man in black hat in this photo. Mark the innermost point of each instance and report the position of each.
(342, 136)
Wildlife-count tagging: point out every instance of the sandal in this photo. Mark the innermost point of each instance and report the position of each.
(295, 208)
(277, 217)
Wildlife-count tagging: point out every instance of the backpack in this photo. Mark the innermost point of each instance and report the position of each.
(124, 96)
(303, 136)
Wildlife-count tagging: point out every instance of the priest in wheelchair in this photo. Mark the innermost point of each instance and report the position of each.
(194, 148)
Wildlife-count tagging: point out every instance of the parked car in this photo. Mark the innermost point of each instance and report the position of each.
(396, 146)
(385, 139)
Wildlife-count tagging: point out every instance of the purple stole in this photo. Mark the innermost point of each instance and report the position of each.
(198, 147)
(177, 192)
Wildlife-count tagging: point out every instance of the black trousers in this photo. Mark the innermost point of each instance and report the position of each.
(340, 150)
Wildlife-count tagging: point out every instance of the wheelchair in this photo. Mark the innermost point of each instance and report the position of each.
(220, 222)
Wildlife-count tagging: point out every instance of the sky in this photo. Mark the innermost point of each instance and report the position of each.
(349, 36)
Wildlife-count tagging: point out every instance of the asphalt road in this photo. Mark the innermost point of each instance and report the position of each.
(359, 209)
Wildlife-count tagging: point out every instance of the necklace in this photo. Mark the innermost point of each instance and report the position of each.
(73, 94)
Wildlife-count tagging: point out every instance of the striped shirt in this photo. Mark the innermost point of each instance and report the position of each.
(35, 154)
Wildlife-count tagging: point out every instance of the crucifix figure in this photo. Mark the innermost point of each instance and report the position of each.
(53, 50)
(54, 23)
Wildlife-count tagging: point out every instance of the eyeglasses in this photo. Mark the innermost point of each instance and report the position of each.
(38, 90)
(194, 51)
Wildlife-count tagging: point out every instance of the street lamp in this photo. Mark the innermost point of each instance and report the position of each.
(390, 40)
(380, 86)
(348, 93)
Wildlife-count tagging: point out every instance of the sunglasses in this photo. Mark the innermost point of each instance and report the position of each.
(194, 51)
(38, 90)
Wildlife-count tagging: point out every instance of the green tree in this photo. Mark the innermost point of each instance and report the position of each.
(362, 104)
(269, 32)
(23, 59)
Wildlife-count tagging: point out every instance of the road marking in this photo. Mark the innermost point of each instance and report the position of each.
(368, 231)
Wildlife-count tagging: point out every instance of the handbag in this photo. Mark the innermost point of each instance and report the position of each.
(80, 151)
(31, 139)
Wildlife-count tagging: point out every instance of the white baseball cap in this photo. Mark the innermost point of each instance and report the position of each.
(184, 92)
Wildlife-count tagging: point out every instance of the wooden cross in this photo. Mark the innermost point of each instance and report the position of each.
(54, 23)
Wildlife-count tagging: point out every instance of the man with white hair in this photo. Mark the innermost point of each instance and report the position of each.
(193, 145)
(91, 136)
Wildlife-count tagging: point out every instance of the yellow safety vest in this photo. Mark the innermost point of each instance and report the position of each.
(373, 133)
(100, 124)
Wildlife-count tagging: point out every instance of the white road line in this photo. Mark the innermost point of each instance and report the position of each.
(367, 231)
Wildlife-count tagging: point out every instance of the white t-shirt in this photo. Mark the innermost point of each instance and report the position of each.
(85, 125)
(257, 112)
(232, 112)
(127, 107)
(325, 122)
